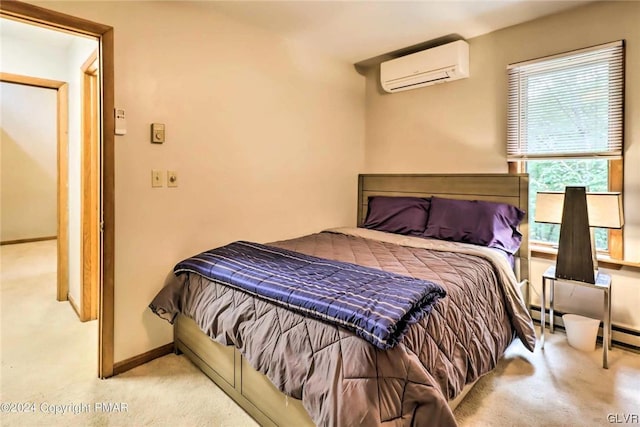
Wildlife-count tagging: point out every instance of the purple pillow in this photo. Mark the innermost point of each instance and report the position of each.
(401, 215)
(475, 221)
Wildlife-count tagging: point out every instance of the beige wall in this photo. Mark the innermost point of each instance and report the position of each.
(28, 170)
(461, 126)
(267, 138)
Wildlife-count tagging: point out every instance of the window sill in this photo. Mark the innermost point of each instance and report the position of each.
(544, 252)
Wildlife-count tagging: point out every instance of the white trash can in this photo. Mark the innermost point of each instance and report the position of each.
(581, 331)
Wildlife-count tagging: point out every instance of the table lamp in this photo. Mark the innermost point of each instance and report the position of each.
(578, 212)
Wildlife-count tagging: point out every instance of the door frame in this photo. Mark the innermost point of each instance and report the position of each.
(62, 166)
(90, 175)
(104, 33)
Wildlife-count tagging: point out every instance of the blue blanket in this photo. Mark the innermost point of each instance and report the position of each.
(378, 306)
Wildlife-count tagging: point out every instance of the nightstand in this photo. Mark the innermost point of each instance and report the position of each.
(603, 283)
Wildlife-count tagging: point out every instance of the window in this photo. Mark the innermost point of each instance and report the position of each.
(565, 127)
(554, 175)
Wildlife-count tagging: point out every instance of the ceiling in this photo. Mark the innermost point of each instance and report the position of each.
(359, 30)
(35, 34)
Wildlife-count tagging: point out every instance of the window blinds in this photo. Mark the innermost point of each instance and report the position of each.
(567, 105)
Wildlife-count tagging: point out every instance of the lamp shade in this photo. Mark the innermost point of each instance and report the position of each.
(549, 207)
(605, 209)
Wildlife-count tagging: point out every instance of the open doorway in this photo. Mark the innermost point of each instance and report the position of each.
(101, 180)
(28, 195)
(32, 57)
(34, 177)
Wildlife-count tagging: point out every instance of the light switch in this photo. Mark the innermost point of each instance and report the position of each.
(172, 179)
(157, 133)
(157, 178)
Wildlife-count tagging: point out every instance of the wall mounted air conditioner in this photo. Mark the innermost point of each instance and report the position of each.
(436, 65)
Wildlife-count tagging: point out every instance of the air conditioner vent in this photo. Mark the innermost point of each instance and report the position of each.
(440, 64)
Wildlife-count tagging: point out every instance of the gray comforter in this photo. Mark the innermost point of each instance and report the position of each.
(343, 380)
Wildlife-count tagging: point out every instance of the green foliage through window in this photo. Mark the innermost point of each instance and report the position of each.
(554, 175)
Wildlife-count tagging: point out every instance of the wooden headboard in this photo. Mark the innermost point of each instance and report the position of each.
(503, 188)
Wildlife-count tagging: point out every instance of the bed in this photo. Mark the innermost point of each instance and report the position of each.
(285, 367)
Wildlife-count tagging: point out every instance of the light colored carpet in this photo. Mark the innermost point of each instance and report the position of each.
(49, 358)
(557, 386)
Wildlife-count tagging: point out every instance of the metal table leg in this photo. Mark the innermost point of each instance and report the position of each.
(609, 313)
(551, 295)
(606, 329)
(542, 312)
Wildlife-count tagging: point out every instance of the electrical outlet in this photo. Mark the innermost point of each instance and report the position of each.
(172, 179)
(157, 178)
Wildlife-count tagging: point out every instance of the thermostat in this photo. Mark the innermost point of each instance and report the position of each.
(157, 133)
(121, 121)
